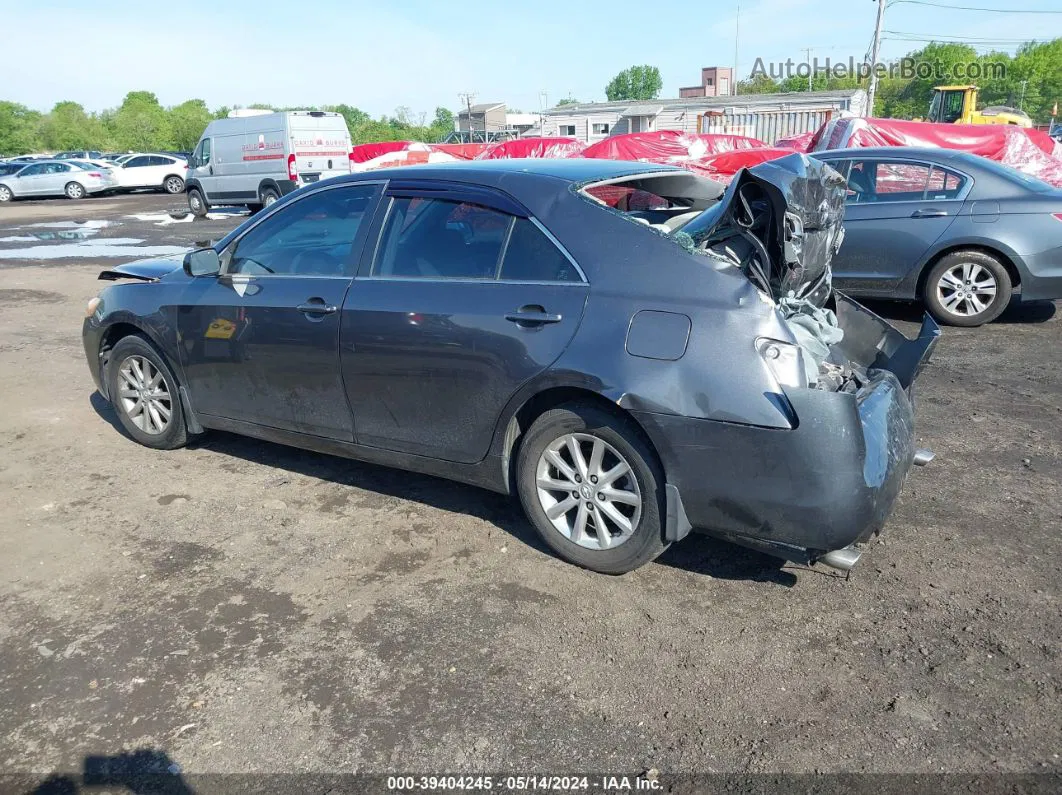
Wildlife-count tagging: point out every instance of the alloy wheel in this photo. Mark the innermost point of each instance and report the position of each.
(588, 491)
(967, 289)
(75, 191)
(174, 185)
(143, 395)
(5, 193)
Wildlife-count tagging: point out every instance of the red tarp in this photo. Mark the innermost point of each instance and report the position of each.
(798, 143)
(722, 167)
(666, 146)
(362, 153)
(1032, 152)
(460, 151)
(532, 147)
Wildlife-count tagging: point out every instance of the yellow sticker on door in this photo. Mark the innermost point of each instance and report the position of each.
(220, 329)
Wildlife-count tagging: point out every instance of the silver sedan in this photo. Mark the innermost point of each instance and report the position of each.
(72, 179)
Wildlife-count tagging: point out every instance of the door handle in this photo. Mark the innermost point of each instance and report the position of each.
(532, 315)
(929, 213)
(316, 306)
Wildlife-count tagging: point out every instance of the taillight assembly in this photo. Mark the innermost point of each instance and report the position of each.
(293, 173)
(95, 174)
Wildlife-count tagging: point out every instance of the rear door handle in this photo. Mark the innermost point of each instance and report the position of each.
(317, 306)
(929, 213)
(532, 315)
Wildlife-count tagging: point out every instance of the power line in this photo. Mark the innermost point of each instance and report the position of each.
(973, 8)
(906, 36)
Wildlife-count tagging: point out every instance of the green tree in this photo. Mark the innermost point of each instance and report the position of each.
(635, 82)
(19, 129)
(187, 122)
(141, 123)
(568, 101)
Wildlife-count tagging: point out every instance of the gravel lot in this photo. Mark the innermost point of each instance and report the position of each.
(244, 607)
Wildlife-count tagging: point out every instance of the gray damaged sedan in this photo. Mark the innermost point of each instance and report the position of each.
(633, 350)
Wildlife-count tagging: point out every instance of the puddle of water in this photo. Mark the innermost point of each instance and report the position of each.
(165, 219)
(69, 225)
(91, 249)
(64, 234)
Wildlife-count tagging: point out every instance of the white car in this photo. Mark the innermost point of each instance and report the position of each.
(162, 172)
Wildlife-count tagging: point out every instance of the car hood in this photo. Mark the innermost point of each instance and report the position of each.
(781, 223)
(145, 270)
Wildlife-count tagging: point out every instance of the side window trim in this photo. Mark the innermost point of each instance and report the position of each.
(359, 239)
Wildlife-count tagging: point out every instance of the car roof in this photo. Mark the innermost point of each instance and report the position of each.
(491, 172)
(917, 152)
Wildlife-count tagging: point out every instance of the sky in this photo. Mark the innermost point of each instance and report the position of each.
(423, 53)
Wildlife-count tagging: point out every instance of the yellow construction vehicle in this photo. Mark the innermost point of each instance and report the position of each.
(958, 105)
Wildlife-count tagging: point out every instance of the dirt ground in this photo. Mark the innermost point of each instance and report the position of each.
(242, 607)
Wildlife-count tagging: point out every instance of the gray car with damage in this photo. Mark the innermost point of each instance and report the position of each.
(631, 349)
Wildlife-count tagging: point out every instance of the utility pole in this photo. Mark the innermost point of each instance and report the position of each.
(1021, 102)
(811, 72)
(468, 96)
(874, 59)
(737, 34)
(543, 103)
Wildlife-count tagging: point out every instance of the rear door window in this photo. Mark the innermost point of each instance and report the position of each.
(533, 257)
(441, 239)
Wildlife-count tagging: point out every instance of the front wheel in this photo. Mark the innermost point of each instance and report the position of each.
(197, 204)
(173, 184)
(143, 391)
(74, 190)
(967, 288)
(593, 488)
(5, 194)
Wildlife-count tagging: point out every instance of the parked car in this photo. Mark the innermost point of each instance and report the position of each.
(55, 178)
(953, 230)
(10, 168)
(163, 172)
(254, 160)
(530, 326)
(79, 154)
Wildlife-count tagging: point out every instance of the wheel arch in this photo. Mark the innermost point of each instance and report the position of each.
(524, 410)
(270, 183)
(1006, 260)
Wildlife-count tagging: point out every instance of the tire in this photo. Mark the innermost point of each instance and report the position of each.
(131, 369)
(74, 190)
(5, 194)
(173, 184)
(197, 204)
(621, 442)
(268, 196)
(967, 288)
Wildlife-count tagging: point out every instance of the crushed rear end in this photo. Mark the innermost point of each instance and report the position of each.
(843, 376)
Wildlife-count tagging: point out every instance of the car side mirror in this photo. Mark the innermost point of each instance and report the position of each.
(202, 262)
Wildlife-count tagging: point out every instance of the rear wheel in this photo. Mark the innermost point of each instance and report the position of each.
(593, 488)
(967, 288)
(197, 204)
(173, 184)
(5, 194)
(74, 190)
(268, 196)
(143, 391)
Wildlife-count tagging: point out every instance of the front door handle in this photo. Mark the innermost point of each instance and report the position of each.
(532, 315)
(929, 213)
(317, 306)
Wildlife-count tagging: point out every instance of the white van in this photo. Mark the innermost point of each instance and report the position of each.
(253, 159)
